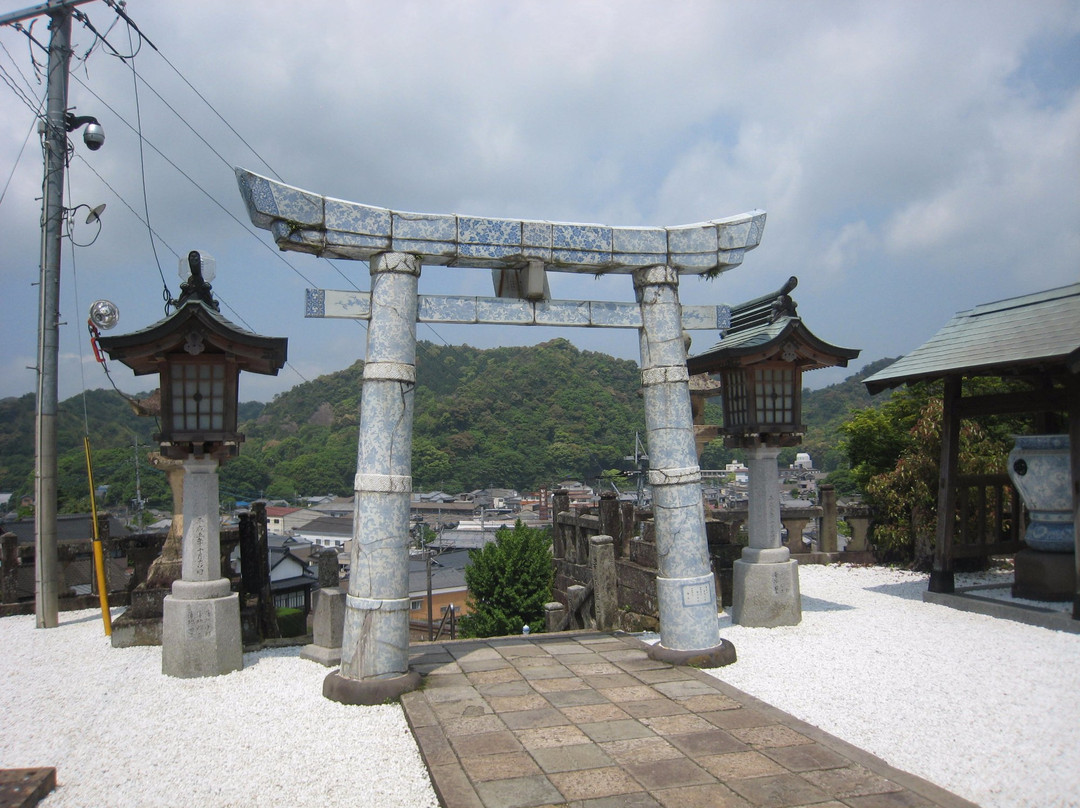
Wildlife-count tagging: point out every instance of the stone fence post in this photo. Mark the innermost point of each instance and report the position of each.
(10, 571)
(605, 591)
(827, 534)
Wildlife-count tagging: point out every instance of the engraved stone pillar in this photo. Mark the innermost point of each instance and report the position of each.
(685, 585)
(200, 633)
(375, 643)
(765, 581)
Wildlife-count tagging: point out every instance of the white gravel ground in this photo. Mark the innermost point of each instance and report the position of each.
(986, 708)
(122, 734)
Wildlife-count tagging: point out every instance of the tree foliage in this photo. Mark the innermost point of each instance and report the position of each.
(895, 457)
(509, 582)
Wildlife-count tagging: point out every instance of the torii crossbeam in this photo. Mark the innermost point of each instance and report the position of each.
(374, 654)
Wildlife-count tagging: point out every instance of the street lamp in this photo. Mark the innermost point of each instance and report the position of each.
(760, 363)
(198, 356)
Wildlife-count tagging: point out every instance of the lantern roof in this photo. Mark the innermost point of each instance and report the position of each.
(768, 329)
(196, 327)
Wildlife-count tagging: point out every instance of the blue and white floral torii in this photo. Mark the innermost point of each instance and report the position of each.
(374, 654)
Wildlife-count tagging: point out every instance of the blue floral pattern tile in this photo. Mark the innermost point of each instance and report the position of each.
(306, 222)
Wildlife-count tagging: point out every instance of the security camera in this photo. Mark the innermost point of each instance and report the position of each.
(94, 136)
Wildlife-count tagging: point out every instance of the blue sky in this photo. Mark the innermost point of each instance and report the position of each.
(915, 159)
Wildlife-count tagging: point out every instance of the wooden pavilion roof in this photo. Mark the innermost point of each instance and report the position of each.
(1033, 334)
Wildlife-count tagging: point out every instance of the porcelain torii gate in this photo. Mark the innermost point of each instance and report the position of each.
(374, 654)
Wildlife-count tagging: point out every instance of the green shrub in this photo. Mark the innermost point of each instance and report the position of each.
(292, 622)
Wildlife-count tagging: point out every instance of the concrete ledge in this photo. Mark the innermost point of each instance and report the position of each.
(368, 691)
(716, 657)
(971, 601)
(321, 654)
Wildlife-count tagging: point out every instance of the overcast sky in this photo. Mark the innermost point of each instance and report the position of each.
(914, 158)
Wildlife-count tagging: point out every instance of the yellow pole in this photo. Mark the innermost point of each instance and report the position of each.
(99, 555)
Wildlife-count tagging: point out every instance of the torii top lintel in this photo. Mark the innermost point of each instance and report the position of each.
(306, 222)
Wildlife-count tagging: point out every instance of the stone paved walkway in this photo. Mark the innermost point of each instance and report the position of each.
(589, 720)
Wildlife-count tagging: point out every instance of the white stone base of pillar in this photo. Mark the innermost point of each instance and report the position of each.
(200, 636)
(765, 592)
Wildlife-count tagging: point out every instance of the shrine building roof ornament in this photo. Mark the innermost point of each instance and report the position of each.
(306, 222)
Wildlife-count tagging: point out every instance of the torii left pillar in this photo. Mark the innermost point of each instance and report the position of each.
(375, 644)
(685, 585)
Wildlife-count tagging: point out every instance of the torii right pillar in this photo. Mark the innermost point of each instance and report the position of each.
(685, 585)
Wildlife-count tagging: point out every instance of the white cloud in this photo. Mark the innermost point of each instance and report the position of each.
(896, 147)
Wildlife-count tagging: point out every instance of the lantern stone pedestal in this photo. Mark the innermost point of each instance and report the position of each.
(765, 581)
(200, 633)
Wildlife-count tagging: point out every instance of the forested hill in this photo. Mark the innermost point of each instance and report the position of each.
(517, 417)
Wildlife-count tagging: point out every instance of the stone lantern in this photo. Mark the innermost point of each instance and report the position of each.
(198, 356)
(760, 362)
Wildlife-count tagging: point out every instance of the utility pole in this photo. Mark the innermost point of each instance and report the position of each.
(46, 599)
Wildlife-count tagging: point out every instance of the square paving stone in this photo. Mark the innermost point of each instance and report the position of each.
(593, 668)
(558, 684)
(477, 678)
(774, 735)
(894, 799)
(520, 792)
(851, 781)
(485, 664)
(677, 724)
(737, 765)
(615, 730)
(610, 680)
(572, 758)
(485, 743)
(654, 707)
(807, 756)
(640, 750)
(521, 649)
(507, 704)
(778, 791)
(635, 693)
(710, 742)
(685, 689)
(659, 774)
(499, 767)
(664, 674)
(639, 799)
(704, 796)
(454, 787)
(433, 680)
(549, 737)
(592, 783)
(709, 703)
(575, 698)
(473, 651)
(738, 718)
(433, 746)
(435, 668)
(548, 671)
(514, 687)
(530, 719)
(590, 713)
(473, 725)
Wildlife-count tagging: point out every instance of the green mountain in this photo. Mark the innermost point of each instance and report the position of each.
(517, 417)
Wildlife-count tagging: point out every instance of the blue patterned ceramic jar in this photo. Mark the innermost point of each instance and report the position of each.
(1039, 468)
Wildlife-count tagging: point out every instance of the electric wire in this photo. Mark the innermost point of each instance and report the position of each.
(22, 148)
(26, 81)
(166, 294)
